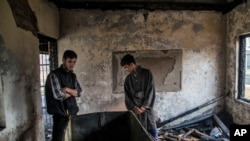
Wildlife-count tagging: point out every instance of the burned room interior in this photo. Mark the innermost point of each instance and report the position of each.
(197, 51)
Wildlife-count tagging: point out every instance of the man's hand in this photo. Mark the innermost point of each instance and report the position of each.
(143, 109)
(69, 91)
(67, 96)
(137, 110)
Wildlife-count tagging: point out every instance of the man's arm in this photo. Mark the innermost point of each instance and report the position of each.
(128, 98)
(58, 93)
(69, 91)
(74, 92)
(78, 88)
(149, 92)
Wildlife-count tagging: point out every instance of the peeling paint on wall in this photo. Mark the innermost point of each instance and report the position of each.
(24, 16)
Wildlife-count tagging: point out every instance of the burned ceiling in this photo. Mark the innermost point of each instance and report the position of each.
(215, 5)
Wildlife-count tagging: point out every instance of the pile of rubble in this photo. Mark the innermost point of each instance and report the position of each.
(206, 128)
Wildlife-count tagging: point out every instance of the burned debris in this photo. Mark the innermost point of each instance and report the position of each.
(208, 127)
(203, 128)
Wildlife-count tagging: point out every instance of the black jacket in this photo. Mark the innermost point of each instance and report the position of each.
(64, 107)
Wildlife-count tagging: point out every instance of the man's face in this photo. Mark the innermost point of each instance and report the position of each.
(69, 63)
(128, 68)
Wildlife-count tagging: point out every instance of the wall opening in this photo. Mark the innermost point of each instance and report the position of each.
(48, 61)
(244, 68)
(165, 65)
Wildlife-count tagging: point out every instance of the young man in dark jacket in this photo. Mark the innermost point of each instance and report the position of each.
(140, 93)
(61, 88)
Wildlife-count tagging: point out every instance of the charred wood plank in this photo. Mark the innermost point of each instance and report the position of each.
(190, 139)
(203, 137)
(188, 133)
(170, 137)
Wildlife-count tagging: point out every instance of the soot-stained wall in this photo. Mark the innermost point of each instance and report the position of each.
(20, 98)
(237, 24)
(95, 35)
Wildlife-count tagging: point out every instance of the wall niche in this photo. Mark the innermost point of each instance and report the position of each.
(165, 65)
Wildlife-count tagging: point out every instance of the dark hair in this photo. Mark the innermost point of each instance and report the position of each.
(127, 60)
(69, 54)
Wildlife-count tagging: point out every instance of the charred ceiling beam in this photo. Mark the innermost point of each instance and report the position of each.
(221, 5)
(186, 1)
(231, 5)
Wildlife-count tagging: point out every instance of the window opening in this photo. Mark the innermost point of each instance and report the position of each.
(48, 62)
(244, 68)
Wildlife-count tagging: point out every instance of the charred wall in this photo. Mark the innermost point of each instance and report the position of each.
(20, 98)
(96, 35)
(237, 24)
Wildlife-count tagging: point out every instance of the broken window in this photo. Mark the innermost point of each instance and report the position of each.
(244, 68)
(48, 62)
